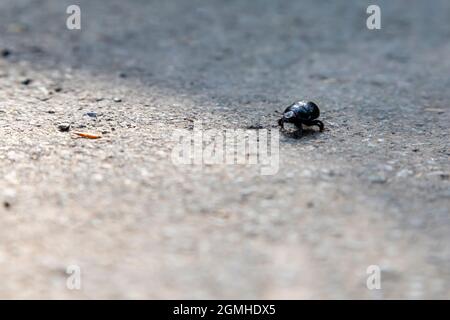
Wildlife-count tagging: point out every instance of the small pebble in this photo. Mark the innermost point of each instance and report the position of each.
(64, 127)
(5, 53)
(437, 110)
(6, 204)
(377, 179)
(27, 82)
(255, 127)
(91, 114)
(441, 174)
(117, 100)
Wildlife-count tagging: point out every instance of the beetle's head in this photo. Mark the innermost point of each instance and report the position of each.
(288, 116)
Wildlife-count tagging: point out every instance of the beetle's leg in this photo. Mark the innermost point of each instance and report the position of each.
(281, 123)
(299, 131)
(317, 123)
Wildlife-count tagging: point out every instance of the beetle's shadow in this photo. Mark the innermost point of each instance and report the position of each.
(297, 134)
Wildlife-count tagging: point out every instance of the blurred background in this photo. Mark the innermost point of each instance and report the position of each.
(372, 189)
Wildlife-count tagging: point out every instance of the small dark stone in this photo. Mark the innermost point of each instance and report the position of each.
(58, 89)
(27, 82)
(64, 127)
(444, 176)
(91, 114)
(255, 127)
(6, 204)
(51, 111)
(123, 75)
(377, 179)
(5, 53)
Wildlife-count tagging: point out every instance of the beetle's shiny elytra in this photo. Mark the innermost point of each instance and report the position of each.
(302, 112)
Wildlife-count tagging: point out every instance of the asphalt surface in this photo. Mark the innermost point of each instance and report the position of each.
(372, 189)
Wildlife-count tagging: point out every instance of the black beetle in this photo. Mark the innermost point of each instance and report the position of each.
(301, 112)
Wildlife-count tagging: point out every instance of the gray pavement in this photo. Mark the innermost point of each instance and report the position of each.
(372, 189)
